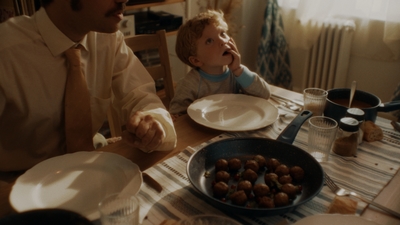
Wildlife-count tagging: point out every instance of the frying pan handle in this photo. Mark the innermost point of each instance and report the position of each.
(289, 133)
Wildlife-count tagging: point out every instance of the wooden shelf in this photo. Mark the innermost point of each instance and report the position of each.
(140, 6)
(170, 33)
(147, 5)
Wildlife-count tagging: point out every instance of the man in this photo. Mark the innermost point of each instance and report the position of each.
(33, 74)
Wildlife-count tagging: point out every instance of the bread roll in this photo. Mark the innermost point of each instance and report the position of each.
(343, 205)
(372, 132)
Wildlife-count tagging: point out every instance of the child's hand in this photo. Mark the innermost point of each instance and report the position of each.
(236, 63)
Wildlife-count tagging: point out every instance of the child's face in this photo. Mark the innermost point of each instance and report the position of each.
(212, 48)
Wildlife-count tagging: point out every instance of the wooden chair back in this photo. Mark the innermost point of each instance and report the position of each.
(142, 42)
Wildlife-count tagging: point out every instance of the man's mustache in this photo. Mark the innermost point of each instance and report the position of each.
(120, 6)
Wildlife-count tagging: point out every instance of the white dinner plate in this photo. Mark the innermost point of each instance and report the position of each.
(233, 112)
(334, 219)
(76, 182)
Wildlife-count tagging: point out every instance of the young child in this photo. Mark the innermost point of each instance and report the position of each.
(203, 44)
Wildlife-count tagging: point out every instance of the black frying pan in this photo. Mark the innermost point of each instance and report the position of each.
(282, 149)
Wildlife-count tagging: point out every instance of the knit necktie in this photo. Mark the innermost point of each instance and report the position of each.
(78, 122)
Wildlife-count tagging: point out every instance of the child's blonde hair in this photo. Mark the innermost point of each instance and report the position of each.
(192, 30)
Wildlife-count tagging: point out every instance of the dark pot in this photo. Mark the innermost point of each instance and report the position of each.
(338, 100)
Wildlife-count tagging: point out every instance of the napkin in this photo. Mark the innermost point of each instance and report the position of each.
(343, 205)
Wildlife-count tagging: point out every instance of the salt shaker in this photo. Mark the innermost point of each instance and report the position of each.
(346, 141)
(359, 115)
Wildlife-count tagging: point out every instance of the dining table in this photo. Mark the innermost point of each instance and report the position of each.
(373, 173)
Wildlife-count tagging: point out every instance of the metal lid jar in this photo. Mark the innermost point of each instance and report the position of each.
(359, 115)
(346, 142)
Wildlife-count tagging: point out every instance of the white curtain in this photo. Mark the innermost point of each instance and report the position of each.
(377, 34)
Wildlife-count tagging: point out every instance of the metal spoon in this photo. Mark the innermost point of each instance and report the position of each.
(353, 89)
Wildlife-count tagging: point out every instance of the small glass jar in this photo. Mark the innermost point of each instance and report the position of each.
(346, 142)
(359, 115)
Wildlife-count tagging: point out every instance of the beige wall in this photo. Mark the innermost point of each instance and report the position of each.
(379, 78)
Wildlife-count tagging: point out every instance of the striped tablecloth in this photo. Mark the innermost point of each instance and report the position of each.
(376, 163)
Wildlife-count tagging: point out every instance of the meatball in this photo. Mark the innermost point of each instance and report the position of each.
(246, 186)
(221, 164)
(290, 190)
(234, 164)
(272, 163)
(281, 199)
(297, 173)
(239, 198)
(281, 183)
(260, 190)
(220, 189)
(262, 162)
(251, 164)
(270, 179)
(282, 170)
(285, 179)
(223, 176)
(250, 175)
(266, 202)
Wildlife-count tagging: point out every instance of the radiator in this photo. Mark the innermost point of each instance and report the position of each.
(328, 60)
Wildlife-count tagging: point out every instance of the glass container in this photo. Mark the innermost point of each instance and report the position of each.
(346, 142)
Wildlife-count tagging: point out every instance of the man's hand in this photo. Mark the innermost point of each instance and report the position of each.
(144, 132)
(235, 65)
